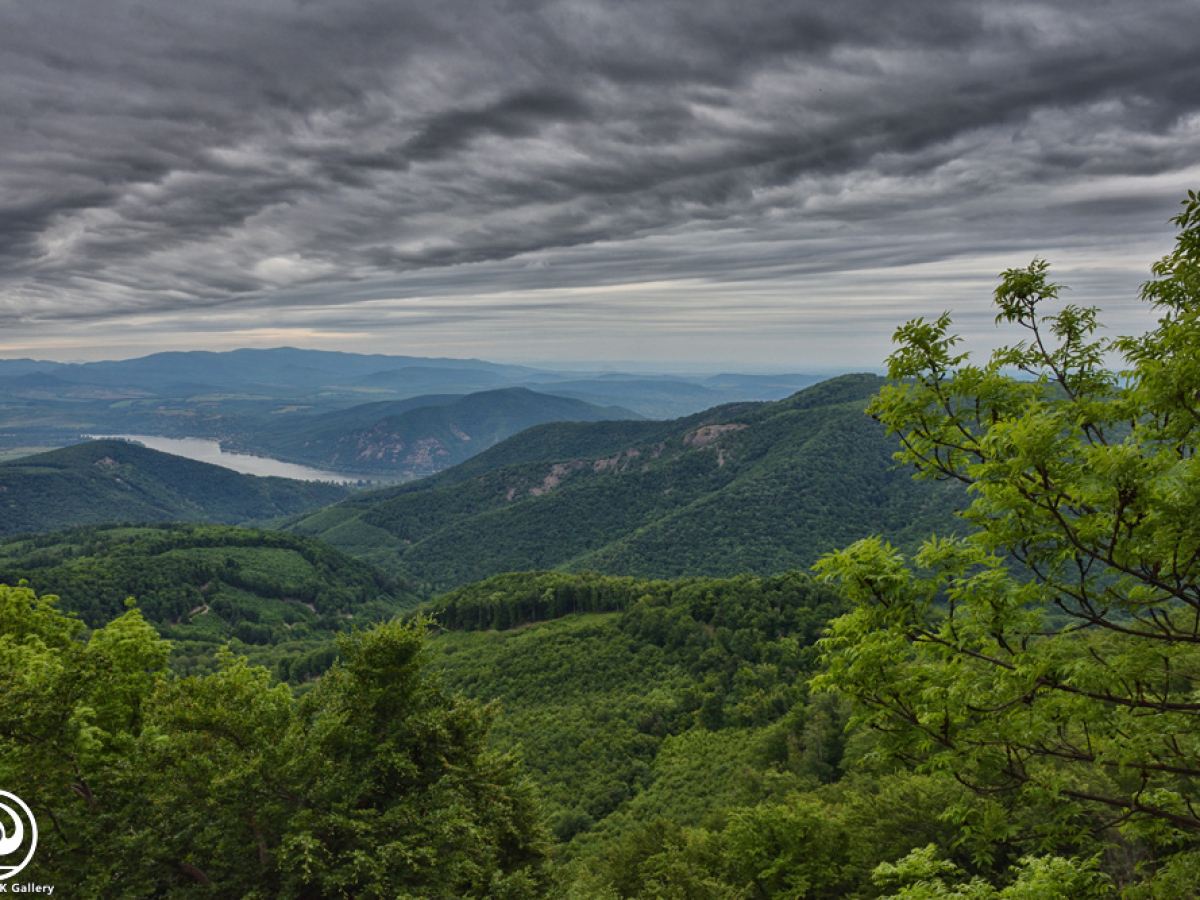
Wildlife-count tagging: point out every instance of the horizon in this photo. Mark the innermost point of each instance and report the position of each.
(594, 367)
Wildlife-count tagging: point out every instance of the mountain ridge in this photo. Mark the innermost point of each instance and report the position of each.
(744, 487)
(417, 436)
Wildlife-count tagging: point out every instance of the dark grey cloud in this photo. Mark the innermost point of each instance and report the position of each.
(169, 157)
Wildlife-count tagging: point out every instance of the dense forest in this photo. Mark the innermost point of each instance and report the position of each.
(274, 598)
(1004, 712)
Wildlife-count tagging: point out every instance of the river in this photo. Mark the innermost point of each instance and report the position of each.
(208, 451)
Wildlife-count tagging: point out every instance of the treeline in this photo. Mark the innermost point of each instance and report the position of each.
(518, 598)
(789, 603)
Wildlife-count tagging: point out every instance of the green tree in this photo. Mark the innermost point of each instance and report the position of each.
(376, 783)
(1052, 657)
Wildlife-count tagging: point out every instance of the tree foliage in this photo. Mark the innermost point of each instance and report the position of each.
(1052, 658)
(674, 744)
(280, 597)
(376, 783)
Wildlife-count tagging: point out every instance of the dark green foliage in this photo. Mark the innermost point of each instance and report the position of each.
(202, 585)
(751, 487)
(683, 654)
(517, 598)
(116, 481)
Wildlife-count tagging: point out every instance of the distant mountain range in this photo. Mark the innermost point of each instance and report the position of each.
(249, 398)
(116, 481)
(745, 487)
(285, 367)
(330, 379)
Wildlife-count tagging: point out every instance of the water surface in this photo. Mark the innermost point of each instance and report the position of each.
(203, 450)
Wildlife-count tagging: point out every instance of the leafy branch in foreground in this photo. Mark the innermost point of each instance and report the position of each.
(1051, 660)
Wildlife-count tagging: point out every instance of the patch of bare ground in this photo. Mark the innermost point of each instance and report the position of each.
(619, 463)
(558, 472)
(709, 433)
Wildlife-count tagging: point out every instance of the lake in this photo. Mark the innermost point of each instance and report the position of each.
(207, 451)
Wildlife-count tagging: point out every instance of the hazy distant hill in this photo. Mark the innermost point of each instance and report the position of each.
(750, 487)
(435, 378)
(286, 366)
(656, 398)
(111, 481)
(235, 396)
(419, 436)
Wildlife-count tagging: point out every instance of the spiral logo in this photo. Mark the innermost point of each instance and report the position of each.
(18, 828)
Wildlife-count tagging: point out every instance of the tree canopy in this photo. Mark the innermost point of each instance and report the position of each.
(1051, 659)
(376, 783)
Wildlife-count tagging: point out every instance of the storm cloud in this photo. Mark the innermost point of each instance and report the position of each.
(755, 168)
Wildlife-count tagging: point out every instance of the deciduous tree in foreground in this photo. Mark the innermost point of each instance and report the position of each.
(376, 783)
(1051, 659)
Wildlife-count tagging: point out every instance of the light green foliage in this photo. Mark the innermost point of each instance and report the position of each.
(1052, 658)
(1033, 878)
(820, 844)
(592, 698)
(375, 784)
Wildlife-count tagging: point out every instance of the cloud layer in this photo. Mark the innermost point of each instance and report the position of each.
(355, 166)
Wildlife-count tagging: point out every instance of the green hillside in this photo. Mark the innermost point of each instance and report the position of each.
(748, 487)
(116, 481)
(668, 727)
(279, 598)
(418, 436)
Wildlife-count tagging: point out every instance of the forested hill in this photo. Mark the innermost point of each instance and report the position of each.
(278, 597)
(116, 481)
(417, 436)
(747, 487)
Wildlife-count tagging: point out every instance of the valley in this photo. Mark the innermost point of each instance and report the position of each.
(628, 590)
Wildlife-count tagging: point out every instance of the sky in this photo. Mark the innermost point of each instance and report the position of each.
(766, 184)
